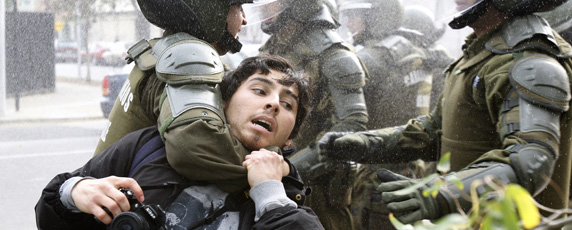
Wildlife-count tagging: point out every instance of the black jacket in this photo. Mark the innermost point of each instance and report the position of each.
(161, 185)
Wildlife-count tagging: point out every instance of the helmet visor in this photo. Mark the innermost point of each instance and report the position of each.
(262, 10)
(352, 19)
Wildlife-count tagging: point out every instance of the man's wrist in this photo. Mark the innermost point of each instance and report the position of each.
(65, 192)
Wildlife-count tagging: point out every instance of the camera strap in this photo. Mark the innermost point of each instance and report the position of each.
(151, 150)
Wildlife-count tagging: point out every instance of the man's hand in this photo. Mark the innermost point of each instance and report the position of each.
(265, 165)
(347, 146)
(408, 208)
(91, 195)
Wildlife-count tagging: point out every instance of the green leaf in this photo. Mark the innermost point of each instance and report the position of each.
(527, 211)
(487, 223)
(433, 190)
(413, 188)
(444, 164)
(456, 181)
(398, 225)
(509, 219)
(451, 221)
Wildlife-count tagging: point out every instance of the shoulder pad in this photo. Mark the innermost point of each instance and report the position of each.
(400, 49)
(141, 54)
(182, 59)
(514, 32)
(316, 41)
(344, 67)
(541, 80)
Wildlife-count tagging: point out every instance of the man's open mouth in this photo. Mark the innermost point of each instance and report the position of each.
(264, 124)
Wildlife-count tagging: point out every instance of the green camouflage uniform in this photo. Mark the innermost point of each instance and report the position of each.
(338, 105)
(479, 121)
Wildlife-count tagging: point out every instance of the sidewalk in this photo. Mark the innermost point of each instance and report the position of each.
(71, 100)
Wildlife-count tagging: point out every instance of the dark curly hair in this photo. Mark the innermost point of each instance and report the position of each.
(264, 63)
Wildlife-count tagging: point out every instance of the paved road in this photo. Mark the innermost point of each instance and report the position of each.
(31, 154)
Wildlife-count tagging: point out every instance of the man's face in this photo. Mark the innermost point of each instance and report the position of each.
(464, 4)
(235, 20)
(262, 112)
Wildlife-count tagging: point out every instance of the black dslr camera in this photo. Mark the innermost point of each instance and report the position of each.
(140, 217)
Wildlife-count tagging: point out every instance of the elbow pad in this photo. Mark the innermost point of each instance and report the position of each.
(534, 165)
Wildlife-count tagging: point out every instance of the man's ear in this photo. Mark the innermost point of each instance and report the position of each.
(224, 105)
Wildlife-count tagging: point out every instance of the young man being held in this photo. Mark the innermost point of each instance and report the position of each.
(264, 103)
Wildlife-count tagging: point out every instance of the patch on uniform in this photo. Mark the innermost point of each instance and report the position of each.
(415, 77)
(423, 101)
(476, 81)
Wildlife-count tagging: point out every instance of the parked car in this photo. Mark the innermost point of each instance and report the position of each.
(112, 86)
(116, 53)
(96, 51)
(66, 51)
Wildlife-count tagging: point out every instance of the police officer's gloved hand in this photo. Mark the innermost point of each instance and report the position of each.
(347, 146)
(407, 208)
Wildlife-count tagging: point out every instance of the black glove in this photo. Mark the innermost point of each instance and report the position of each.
(347, 146)
(407, 208)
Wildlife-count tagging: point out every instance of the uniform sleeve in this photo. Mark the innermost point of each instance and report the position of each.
(51, 213)
(207, 151)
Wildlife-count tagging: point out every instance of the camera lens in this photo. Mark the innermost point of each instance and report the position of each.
(129, 221)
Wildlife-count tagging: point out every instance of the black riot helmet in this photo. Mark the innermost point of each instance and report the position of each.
(204, 19)
(510, 7)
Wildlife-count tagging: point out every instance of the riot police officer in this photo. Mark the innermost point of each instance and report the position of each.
(175, 78)
(504, 111)
(419, 27)
(304, 33)
(399, 88)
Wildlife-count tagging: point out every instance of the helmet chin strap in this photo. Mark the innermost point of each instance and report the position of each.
(227, 43)
(469, 15)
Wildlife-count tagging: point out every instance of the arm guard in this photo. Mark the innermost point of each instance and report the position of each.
(544, 94)
(192, 70)
(346, 78)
